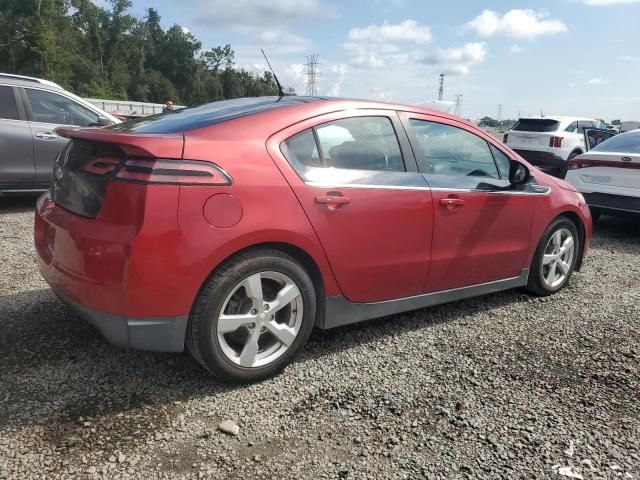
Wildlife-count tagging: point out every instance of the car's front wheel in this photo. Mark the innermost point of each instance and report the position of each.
(555, 258)
(253, 316)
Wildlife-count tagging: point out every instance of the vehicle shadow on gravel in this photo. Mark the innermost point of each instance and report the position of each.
(18, 203)
(55, 366)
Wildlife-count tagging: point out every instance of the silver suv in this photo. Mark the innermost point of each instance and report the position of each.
(30, 110)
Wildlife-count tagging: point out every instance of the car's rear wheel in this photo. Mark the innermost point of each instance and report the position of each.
(555, 258)
(253, 316)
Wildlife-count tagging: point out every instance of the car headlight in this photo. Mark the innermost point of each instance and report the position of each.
(581, 197)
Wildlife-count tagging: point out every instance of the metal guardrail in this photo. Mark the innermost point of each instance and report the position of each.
(126, 107)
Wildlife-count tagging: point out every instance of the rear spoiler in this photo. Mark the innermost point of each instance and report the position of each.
(143, 145)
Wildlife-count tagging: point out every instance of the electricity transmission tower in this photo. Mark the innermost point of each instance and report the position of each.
(458, 110)
(441, 87)
(500, 112)
(312, 75)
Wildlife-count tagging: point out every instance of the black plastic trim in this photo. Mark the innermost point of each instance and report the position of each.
(339, 311)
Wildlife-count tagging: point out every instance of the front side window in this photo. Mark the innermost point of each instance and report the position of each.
(8, 107)
(452, 151)
(48, 107)
(358, 143)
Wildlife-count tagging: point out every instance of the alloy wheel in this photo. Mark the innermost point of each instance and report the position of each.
(558, 257)
(260, 319)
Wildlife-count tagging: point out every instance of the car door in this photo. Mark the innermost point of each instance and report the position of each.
(48, 110)
(481, 230)
(357, 181)
(595, 136)
(16, 144)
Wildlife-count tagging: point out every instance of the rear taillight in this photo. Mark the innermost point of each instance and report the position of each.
(505, 138)
(183, 172)
(555, 142)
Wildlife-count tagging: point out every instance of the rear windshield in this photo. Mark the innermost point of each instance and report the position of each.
(623, 143)
(535, 125)
(191, 118)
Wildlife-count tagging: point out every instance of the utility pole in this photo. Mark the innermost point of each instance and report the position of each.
(500, 112)
(458, 110)
(441, 87)
(312, 75)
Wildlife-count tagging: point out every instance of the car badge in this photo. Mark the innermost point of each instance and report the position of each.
(626, 159)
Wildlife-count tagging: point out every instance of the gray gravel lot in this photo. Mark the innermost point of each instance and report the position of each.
(503, 386)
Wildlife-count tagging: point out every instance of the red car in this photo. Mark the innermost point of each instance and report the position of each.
(236, 227)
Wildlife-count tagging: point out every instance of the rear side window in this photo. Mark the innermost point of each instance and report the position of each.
(535, 125)
(8, 107)
(452, 151)
(358, 143)
(573, 128)
(623, 143)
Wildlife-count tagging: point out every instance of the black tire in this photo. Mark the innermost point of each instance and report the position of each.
(202, 340)
(536, 284)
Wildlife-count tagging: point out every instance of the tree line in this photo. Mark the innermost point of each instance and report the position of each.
(109, 53)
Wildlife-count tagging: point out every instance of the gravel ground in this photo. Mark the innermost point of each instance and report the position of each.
(503, 386)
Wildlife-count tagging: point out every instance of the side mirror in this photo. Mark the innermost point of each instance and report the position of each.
(518, 173)
(104, 122)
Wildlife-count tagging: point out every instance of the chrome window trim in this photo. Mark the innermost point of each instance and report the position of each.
(434, 189)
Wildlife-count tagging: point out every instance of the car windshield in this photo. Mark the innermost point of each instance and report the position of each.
(536, 125)
(624, 143)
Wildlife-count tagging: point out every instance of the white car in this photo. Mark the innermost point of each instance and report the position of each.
(609, 174)
(549, 142)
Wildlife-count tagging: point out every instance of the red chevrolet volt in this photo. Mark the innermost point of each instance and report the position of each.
(234, 228)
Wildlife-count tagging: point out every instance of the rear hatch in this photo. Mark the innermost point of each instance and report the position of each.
(85, 166)
(532, 133)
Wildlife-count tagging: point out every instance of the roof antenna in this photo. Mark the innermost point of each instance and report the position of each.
(280, 91)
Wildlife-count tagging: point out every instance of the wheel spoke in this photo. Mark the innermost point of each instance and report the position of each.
(250, 349)
(557, 239)
(285, 334)
(285, 296)
(548, 258)
(231, 323)
(566, 245)
(253, 289)
(551, 274)
(563, 266)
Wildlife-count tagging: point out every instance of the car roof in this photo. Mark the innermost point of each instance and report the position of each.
(202, 116)
(23, 80)
(559, 118)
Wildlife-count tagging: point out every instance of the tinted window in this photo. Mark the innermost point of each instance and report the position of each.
(573, 128)
(623, 143)
(48, 107)
(450, 150)
(535, 125)
(503, 162)
(8, 108)
(303, 152)
(360, 143)
(185, 119)
(582, 125)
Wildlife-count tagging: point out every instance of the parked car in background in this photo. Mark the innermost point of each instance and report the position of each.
(30, 110)
(628, 126)
(609, 174)
(235, 227)
(549, 142)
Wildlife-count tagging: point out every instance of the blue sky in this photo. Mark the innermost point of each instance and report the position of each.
(571, 57)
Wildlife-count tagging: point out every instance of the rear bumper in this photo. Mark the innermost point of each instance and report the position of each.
(159, 334)
(545, 161)
(607, 201)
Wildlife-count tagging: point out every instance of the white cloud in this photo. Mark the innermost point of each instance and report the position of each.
(296, 71)
(379, 93)
(515, 49)
(571, 85)
(185, 30)
(259, 13)
(406, 31)
(457, 60)
(597, 81)
(338, 75)
(377, 46)
(516, 23)
(609, 2)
